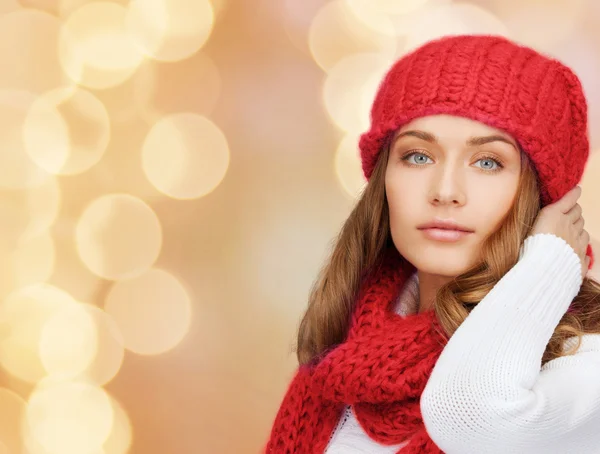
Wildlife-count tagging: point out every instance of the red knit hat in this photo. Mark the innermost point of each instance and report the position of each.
(534, 98)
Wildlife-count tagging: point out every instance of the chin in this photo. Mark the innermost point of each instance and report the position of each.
(438, 265)
(437, 258)
(447, 271)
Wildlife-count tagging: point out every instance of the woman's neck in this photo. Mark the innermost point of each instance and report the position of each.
(428, 287)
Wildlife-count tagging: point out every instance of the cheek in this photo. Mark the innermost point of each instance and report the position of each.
(401, 203)
(492, 206)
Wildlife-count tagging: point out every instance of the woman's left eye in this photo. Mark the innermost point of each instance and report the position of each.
(490, 162)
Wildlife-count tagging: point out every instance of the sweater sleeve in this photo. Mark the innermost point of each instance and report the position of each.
(488, 392)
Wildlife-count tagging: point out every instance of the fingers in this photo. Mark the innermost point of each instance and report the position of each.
(574, 213)
(584, 237)
(569, 199)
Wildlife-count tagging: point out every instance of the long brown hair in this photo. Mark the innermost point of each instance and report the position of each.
(365, 236)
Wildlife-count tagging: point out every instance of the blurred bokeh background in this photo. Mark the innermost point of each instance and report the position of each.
(172, 174)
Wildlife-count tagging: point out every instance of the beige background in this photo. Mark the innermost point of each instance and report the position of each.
(172, 174)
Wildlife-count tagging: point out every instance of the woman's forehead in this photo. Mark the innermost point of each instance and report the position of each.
(444, 126)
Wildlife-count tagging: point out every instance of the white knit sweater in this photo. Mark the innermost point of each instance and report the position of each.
(488, 393)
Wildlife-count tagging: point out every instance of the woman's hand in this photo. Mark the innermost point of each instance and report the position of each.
(563, 219)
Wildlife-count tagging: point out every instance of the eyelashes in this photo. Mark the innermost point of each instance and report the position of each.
(484, 157)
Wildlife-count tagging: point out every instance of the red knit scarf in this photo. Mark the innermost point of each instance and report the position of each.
(381, 370)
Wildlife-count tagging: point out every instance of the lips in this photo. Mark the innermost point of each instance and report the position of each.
(449, 224)
(445, 235)
(445, 230)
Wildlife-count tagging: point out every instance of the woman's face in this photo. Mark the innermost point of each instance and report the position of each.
(449, 168)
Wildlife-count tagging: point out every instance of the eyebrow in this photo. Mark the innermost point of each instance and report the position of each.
(472, 141)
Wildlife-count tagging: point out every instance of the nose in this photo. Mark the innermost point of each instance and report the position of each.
(447, 187)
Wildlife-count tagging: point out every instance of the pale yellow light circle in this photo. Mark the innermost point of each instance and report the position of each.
(165, 89)
(42, 204)
(296, 20)
(24, 314)
(335, 33)
(391, 7)
(9, 6)
(350, 88)
(49, 6)
(452, 19)
(590, 199)
(120, 438)
(118, 236)
(34, 259)
(110, 349)
(28, 41)
(12, 411)
(46, 136)
(68, 342)
(95, 48)
(87, 132)
(373, 13)
(185, 156)
(70, 273)
(17, 170)
(153, 311)
(348, 168)
(69, 417)
(31, 213)
(66, 7)
(554, 21)
(219, 6)
(170, 30)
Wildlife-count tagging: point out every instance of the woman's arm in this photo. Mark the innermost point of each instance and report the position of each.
(487, 392)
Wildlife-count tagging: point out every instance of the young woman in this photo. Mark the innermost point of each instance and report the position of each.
(454, 314)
